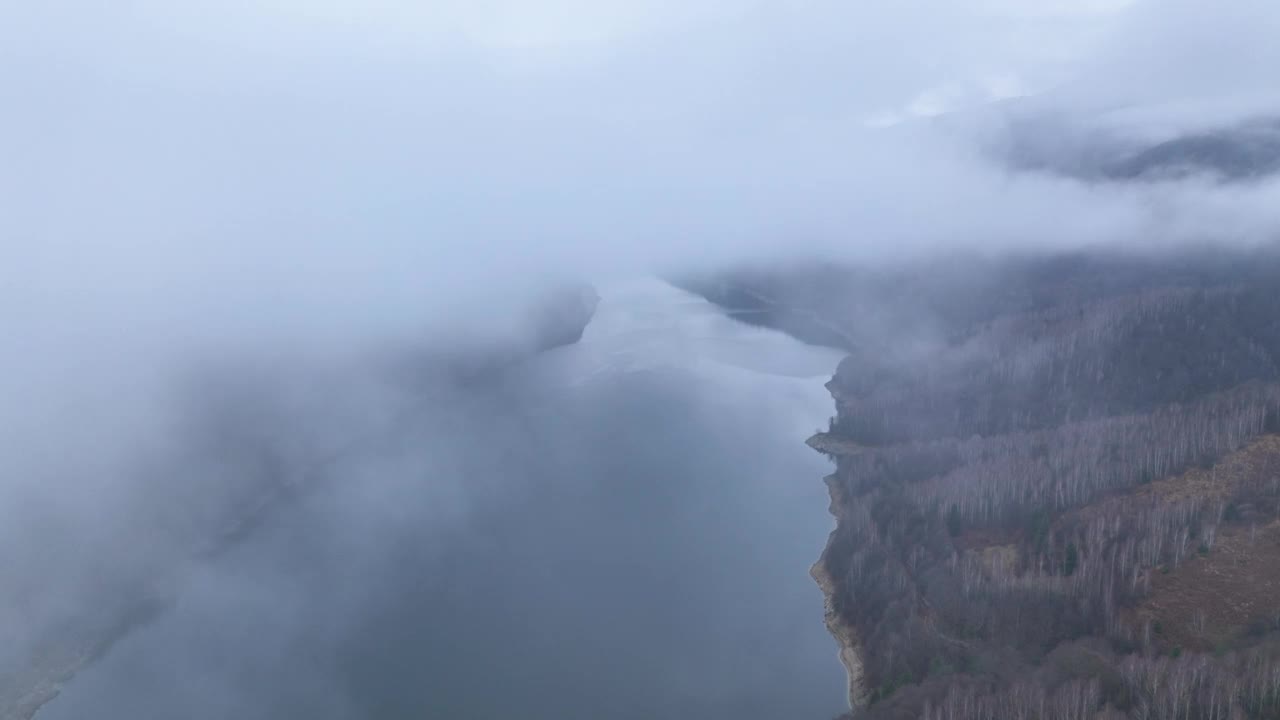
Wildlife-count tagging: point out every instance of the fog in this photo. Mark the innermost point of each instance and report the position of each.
(223, 224)
(623, 528)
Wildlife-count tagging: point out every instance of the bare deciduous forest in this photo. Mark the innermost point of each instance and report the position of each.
(1059, 500)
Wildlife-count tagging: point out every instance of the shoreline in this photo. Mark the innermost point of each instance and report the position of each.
(842, 632)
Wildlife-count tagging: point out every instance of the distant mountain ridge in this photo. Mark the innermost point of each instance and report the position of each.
(1234, 152)
(1244, 152)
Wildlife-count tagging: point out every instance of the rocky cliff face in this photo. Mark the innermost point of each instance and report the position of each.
(1056, 484)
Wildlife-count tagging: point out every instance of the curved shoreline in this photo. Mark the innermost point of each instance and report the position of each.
(842, 631)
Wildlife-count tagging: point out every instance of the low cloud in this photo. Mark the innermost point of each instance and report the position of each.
(293, 185)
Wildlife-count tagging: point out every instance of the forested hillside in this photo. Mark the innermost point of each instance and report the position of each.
(1056, 483)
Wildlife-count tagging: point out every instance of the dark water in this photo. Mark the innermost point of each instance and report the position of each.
(622, 530)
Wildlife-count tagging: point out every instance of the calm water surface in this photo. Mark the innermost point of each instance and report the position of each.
(621, 529)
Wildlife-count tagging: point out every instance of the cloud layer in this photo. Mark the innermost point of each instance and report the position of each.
(282, 184)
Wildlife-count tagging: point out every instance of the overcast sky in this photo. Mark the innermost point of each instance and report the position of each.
(278, 147)
(286, 146)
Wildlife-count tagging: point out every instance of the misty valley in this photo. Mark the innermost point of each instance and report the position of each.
(640, 360)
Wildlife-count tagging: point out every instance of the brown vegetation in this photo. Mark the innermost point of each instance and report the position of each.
(1069, 512)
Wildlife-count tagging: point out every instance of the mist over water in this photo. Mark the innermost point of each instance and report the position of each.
(229, 229)
(621, 529)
